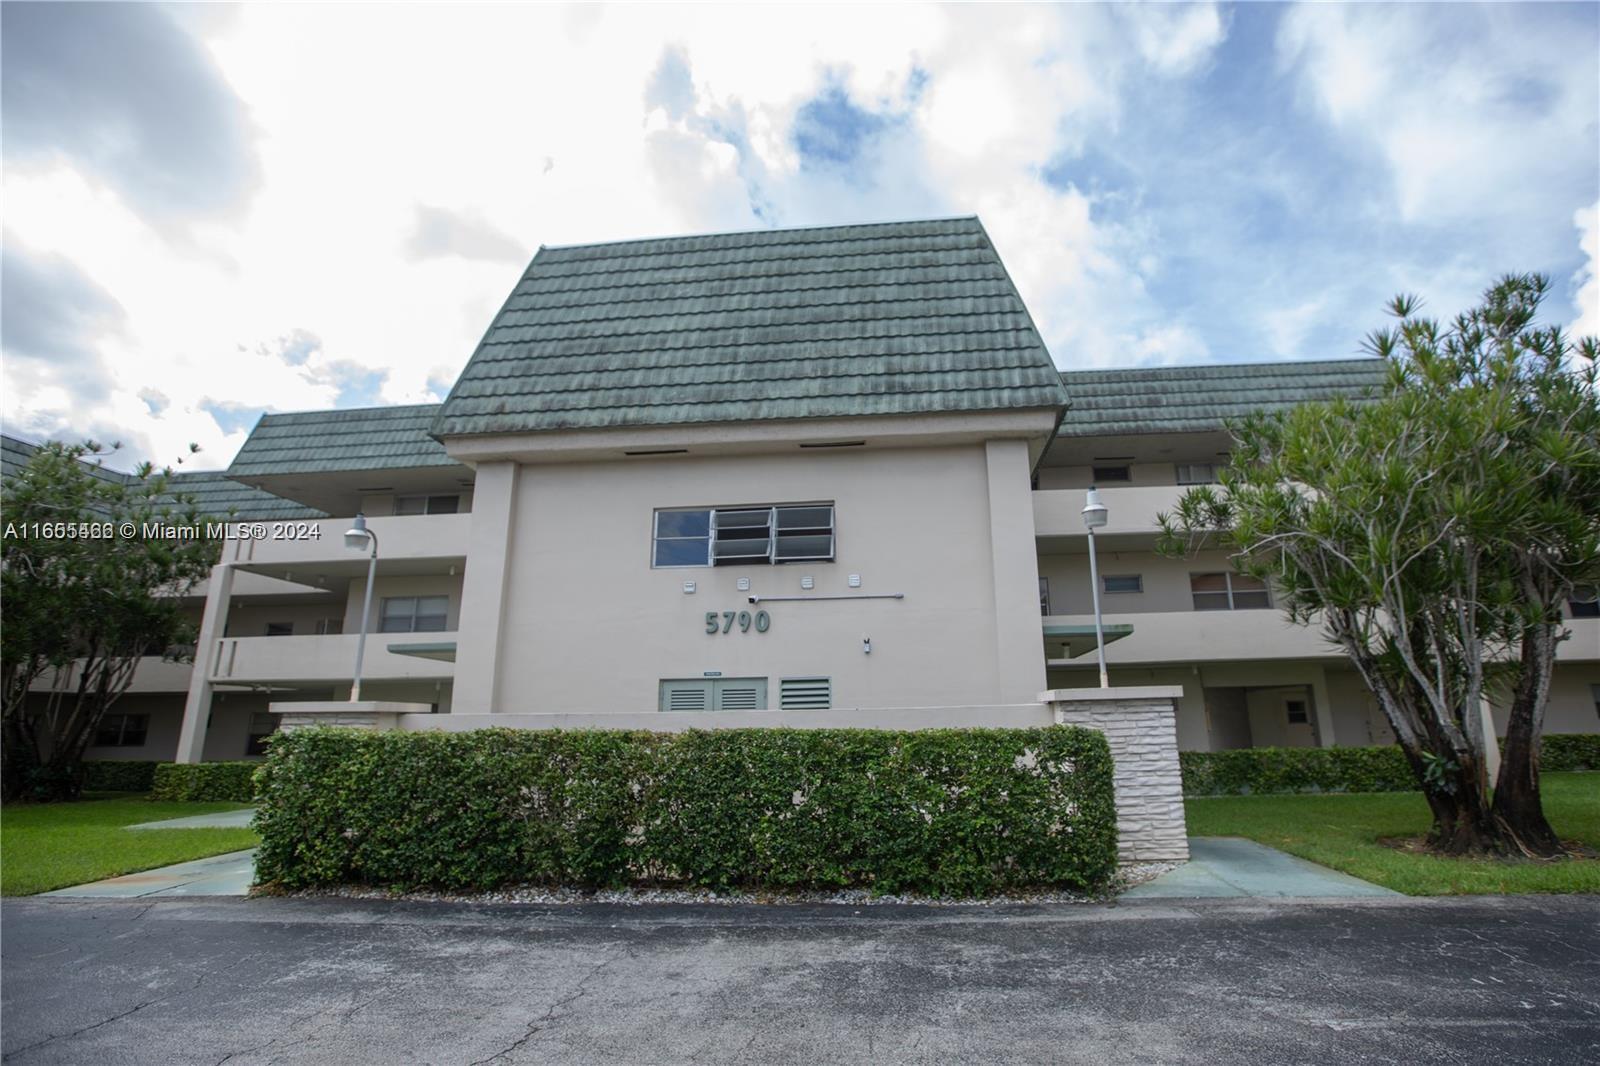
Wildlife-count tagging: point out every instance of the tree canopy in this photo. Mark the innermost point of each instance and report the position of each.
(1433, 531)
(90, 587)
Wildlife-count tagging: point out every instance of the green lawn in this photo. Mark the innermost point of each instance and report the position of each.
(54, 845)
(1342, 831)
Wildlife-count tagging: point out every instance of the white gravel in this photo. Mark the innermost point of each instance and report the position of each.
(1127, 877)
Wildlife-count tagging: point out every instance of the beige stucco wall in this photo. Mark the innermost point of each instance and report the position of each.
(589, 626)
(1166, 580)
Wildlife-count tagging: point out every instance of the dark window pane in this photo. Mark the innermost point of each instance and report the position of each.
(1111, 473)
(759, 518)
(1123, 583)
(404, 505)
(687, 552)
(429, 623)
(1208, 582)
(1243, 600)
(1211, 601)
(805, 518)
(683, 523)
(755, 548)
(444, 504)
(805, 546)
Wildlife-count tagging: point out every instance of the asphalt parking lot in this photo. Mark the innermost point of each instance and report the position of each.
(1252, 981)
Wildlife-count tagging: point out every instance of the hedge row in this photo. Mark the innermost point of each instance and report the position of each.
(1247, 771)
(943, 812)
(118, 775)
(230, 781)
(1570, 751)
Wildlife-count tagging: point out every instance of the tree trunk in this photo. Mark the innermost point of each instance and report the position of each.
(1517, 807)
(1463, 822)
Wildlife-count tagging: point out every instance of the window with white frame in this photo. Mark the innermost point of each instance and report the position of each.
(413, 614)
(1197, 473)
(427, 504)
(122, 731)
(1227, 591)
(1114, 583)
(733, 536)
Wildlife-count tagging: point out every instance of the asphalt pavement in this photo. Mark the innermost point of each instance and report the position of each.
(246, 981)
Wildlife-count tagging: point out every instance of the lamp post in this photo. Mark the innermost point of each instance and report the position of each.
(357, 538)
(1094, 517)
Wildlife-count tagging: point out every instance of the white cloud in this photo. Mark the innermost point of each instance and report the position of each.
(1286, 328)
(1471, 113)
(1587, 279)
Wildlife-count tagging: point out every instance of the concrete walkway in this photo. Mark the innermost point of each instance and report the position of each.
(220, 820)
(220, 875)
(1232, 866)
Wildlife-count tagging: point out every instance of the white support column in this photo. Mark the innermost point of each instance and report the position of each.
(483, 590)
(197, 706)
(1019, 640)
(1322, 707)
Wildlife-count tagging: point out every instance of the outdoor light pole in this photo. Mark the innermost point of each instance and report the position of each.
(1094, 516)
(358, 537)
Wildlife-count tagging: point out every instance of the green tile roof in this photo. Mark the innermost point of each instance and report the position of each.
(1189, 399)
(214, 494)
(896, 318)
(321, 442)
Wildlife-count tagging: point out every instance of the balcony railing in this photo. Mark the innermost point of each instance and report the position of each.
(1201, 636)
(1059, 512)
(307, 542)
(327, 658)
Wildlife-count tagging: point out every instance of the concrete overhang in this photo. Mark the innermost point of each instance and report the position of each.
(1076, 640)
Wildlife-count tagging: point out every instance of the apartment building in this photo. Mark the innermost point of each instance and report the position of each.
(824, 476)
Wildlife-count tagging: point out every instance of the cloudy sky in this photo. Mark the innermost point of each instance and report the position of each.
(211, 212)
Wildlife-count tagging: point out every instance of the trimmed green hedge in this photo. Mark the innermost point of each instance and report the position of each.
(943, 812)
(205, 781)
(1248, 771)
(1570, 751)
(119, 775)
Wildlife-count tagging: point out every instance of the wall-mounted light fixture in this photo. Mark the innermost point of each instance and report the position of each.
(866, 645)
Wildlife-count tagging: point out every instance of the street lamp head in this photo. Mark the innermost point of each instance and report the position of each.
(357, 537)
(1094, 512)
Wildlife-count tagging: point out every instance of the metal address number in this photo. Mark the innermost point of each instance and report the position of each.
(743, 619)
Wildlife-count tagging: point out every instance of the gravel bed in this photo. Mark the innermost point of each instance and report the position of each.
(1127, 877)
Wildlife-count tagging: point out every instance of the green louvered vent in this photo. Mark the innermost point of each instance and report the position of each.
(805, 693)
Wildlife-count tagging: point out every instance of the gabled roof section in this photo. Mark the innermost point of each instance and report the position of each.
(354, 439)
(1193, 399)
(886, 319)
(214, 494)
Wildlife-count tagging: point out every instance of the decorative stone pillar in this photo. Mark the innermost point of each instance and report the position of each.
(1141, 726)
(377, 715)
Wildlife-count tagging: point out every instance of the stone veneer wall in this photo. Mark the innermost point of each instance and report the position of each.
(1141, 726)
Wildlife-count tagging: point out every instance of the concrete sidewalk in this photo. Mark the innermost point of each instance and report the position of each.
(219, 820)
(1221, 867)
(220, 875)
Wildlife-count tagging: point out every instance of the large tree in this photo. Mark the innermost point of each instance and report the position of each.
(89, 588)
(1433, 531)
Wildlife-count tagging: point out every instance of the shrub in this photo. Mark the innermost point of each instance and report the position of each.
(1570, 751)
(212, 781)
(938, 811)
(1257, 770)
(1248, 771)
(119, 775)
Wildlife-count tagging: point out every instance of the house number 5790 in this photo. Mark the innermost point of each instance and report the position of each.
(725, 622)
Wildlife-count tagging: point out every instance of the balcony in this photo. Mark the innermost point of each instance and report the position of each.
(1130, 510)
(1193, 637)
(408, 544)
(311, 659)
